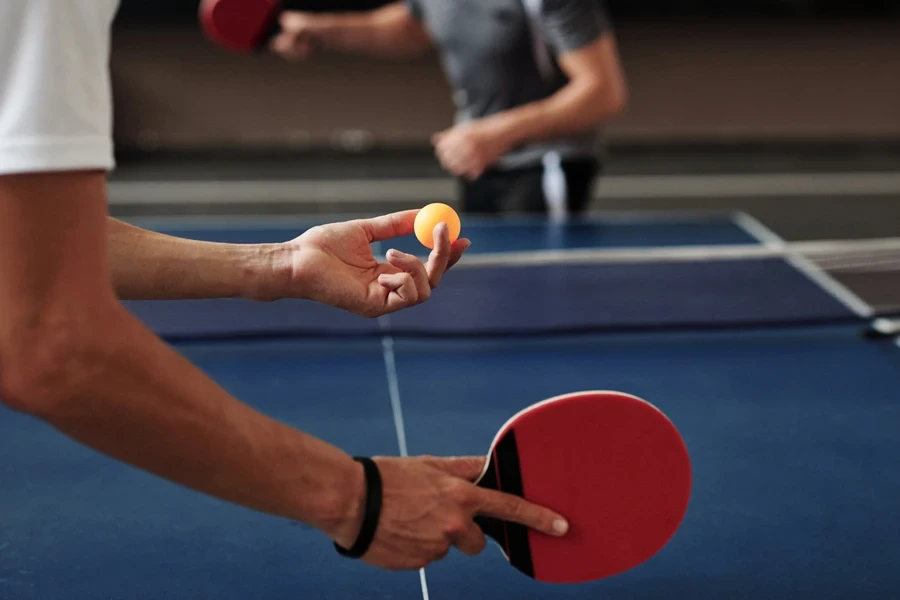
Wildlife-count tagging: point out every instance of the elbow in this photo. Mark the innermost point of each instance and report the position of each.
(617, 100)
(611, 100)
(44, 369)
(603, 99)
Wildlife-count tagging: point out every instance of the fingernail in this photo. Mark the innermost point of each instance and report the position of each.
(560, 527)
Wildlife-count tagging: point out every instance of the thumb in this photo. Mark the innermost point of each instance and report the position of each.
(464, 467)
(437, 137)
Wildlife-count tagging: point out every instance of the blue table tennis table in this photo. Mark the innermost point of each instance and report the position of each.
(791, 417)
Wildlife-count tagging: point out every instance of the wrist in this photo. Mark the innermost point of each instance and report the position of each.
(267, 272)
(327, 29)
(342, 517)
(503, 130)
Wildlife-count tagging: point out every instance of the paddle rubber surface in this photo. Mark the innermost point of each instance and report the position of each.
(240, 25)
(613, 464)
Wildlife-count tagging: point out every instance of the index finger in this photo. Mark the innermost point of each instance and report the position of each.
(508, 507)
(390, 226)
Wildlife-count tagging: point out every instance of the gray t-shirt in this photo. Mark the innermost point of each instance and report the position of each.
(501, 54)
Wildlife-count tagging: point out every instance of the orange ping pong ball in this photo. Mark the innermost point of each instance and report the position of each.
(428, 218)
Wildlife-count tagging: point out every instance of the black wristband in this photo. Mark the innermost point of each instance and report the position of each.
(372, 511)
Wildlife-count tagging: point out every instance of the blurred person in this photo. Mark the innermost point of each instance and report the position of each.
(533, 83)
(73, 356)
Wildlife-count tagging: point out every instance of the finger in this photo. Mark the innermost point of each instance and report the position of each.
(415, 268)
(447, 152)
(443, 155)
(454, 163)
(451, 167)
(440, 555)
(282, 43)
(293, 21)
(473, 542)
(402, 290)
(512, 508)
(476, 169)
(305, 46)
(473, 167)
(457, 250)
(466, 165)
(440, 255)
(469, 468)
(390, 226)
(292, 46)
(438, 137)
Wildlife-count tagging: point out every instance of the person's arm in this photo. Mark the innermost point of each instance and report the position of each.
(71, 355)
(148, 265)
(391, 31)
(322, 264)
(596, 91)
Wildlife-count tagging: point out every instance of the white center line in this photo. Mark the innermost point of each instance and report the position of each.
(393, 380)
(390, 367)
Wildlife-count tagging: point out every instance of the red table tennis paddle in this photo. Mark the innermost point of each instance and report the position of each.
(241, 25)
(614, 465)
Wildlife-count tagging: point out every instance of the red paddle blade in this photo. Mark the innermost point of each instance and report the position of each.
(239, 25)
(612, 464)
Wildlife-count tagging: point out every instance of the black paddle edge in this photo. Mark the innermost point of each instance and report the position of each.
(504, 474)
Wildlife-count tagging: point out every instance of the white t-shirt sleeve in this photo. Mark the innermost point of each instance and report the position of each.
(55, 92)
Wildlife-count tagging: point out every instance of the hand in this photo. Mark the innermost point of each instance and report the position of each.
(467, 150)
(333, 264)
(299, 38)
(429, 505)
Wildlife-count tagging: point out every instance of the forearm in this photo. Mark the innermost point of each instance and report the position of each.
(71, 354)
(129, 396)
(387, 32)
(577, 107)
(149, 265)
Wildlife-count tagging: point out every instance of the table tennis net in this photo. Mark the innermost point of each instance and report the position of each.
(590, 290)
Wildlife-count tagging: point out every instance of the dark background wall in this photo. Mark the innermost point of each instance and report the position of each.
(182, 10)
(699, 71)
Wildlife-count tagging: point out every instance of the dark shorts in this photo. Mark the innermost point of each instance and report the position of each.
(523, 190)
